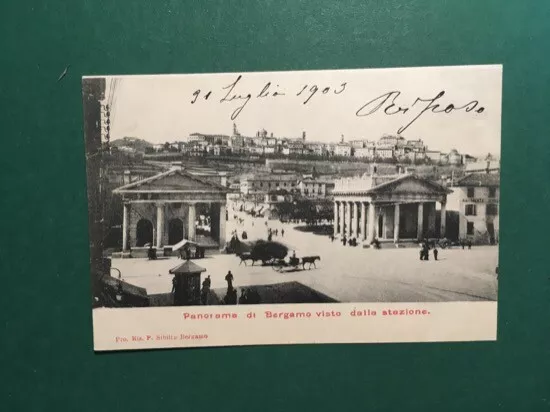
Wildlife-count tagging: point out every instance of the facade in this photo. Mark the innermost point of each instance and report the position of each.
(262, 184)
(433, 155)
(315, 148)
(316, 188)
(385, 207)
(454, 158)
(342, 149)
(476, 198)
(385, 152)
(164, 209)
(366, 152)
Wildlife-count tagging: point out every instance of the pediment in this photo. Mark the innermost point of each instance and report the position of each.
(410, 185)
(172, 181)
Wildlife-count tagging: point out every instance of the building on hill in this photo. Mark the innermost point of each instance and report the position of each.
(343, 150)
(212, 139)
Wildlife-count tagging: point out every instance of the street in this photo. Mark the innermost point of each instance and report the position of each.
(346, 274)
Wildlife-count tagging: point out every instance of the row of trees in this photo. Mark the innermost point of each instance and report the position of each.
(307, 210)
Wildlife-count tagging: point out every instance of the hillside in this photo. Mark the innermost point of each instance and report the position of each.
(135, 143)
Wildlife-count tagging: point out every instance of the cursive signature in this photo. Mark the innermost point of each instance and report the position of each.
(387, 104)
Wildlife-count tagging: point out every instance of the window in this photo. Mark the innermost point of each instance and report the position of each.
(471, 210)
(470, 228)
(471, 192)
(492, 192)
(492, 209)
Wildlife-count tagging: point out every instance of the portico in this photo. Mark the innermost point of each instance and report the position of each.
(397, 207)
(172, 206)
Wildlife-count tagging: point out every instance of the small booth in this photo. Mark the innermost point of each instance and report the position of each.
(187, 283)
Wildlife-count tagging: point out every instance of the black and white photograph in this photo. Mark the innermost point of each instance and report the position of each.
(288, 195)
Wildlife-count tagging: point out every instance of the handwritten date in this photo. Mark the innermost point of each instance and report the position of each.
(232, 93)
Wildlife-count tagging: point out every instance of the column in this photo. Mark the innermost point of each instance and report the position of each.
(363, 220)
(355, 220)
(371, 223)
(335, 222)
(348, 220)
(125, 224)
(342, 217)
(396, 223)
(420, 228)
(192, 217)
(222, 225)
(443, 228)
(160, 224)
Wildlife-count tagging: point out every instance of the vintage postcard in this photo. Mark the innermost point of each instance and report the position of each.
(330, 206)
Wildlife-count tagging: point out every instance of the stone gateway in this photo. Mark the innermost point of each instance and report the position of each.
(167, 208)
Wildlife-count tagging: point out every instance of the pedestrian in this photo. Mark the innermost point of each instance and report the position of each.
(205, 292)
(462, 243)
(344, 240)
(469, 244)
(229, 280)
(421, 253)
(208, 281)
(282, 233)
(436, 252)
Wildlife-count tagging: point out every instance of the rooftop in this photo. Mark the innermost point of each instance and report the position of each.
(480, 179)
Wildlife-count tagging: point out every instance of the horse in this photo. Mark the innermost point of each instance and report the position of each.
(310, 260)
(248, 256)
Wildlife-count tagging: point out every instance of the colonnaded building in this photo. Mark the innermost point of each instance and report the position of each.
(169, 207)
(389, 207)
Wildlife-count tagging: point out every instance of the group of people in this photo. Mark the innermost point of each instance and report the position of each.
(273, 232)
(186, 253)
(425, 251)
(353, 241)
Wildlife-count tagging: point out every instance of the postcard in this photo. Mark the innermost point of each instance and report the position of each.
(328, 206)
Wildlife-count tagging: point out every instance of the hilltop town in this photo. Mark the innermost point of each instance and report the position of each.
(387, 148)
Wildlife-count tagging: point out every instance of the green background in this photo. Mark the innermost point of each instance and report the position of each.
(46, 343)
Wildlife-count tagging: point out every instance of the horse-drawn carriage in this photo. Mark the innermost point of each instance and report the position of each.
(274, 254)
(281, 265)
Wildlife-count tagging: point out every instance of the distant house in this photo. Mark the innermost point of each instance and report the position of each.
(343, 149)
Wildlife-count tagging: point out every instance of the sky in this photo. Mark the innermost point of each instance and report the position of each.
(324, 104)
